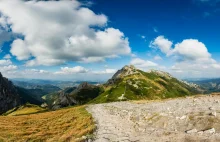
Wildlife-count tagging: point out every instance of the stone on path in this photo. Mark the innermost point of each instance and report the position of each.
(191, 131)
(210, 131)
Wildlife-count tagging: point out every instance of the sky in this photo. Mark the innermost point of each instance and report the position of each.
(91, 39)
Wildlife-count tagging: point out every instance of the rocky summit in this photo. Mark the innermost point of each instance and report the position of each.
(9, 97)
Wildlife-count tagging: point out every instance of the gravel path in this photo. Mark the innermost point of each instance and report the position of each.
(176, 120)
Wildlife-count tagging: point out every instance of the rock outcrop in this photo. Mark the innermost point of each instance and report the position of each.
(125, 71)
(9, 97)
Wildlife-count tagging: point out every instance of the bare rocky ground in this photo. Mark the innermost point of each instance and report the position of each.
(188, 119)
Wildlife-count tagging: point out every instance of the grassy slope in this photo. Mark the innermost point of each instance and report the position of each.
(150, 86)
(24, 110)
(62, 125)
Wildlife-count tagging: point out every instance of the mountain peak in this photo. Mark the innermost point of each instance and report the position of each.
(125, 71)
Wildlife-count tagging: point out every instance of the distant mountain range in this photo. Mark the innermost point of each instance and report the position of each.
(33, 83)
(209, 85)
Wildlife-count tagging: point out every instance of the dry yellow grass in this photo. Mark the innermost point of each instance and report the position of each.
(68, 124)
(24, 110)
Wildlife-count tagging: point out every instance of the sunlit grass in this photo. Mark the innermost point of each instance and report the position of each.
(68, 124)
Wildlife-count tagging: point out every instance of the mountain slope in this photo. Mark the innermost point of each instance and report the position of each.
(72, 96)
(130, 83)
(9, 97)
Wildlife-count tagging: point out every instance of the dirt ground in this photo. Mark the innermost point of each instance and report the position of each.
(188, 119)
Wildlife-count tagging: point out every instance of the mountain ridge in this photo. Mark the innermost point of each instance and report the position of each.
(130, 83)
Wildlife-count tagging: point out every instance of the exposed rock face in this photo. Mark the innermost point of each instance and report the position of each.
(125, 71)
(80, 95)
(9, 97)
(162, 73)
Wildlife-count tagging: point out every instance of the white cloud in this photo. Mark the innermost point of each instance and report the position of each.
(133, 55)
(188, 49)
(190, 69)
(106, 71)
(56, 32)
(191, 49)
(193, 58)
(73, 70)
(8, 68)
(92, 59)
(7, 56)
(5, 62)
(143, 37)
(157, 57)
(20, 50)
(35, 71)
(142, 64)
(162, 43)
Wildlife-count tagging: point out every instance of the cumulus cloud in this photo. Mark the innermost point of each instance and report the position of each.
(143, 64)
(55, 32)
(20, 50)
(193, 57)
(7, 56)
(162, 43)
(191, 49)
(188, 49)
(8, 69)
(73, 70)
(5, 62)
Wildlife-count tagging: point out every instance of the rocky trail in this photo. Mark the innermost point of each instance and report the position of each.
(177, 120)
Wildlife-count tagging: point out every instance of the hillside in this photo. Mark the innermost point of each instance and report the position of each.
(12, 96)
(9, 97)
(68, 124)
(130, 83)
(72, 96)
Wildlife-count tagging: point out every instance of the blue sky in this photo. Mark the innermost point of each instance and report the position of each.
(90, 40)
